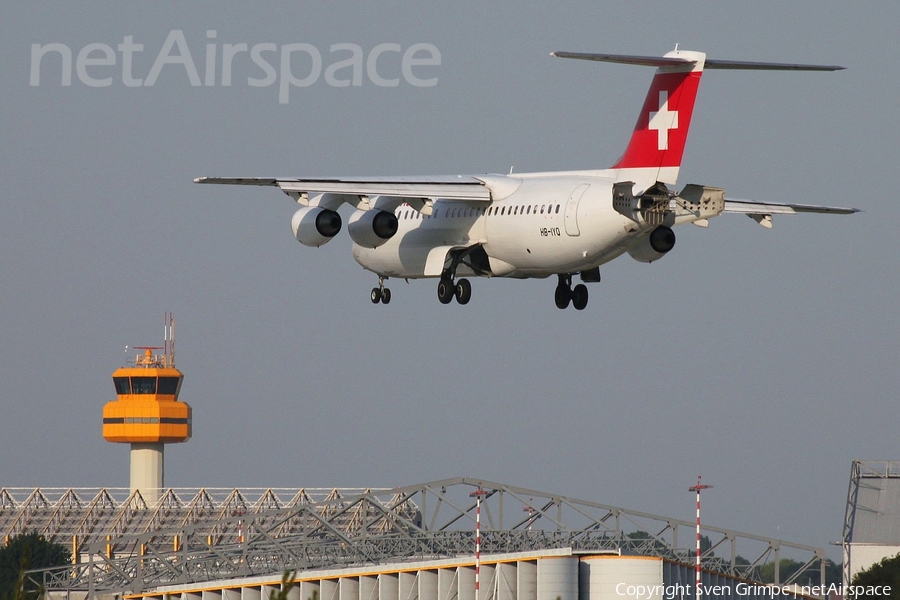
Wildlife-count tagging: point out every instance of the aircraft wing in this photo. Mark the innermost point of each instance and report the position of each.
(749, 207)
(451, 187)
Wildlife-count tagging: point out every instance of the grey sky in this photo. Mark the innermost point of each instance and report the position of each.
(764, 360)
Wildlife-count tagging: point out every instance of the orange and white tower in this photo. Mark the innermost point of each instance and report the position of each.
(147, 413)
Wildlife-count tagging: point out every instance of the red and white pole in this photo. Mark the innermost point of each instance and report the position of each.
(478, 494)
(697, 488)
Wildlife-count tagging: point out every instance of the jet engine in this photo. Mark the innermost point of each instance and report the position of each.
(314, 226)
(654, 246)
(372, 228)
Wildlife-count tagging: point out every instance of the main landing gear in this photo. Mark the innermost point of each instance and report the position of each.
(462, 289)
(565, 293)
(381, 293)
(447, 290)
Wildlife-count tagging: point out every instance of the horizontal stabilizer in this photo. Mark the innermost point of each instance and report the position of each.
(627, 59)
(748, 207)
(672, 61)
(741, 65)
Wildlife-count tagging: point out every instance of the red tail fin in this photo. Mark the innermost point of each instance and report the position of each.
(657, 144)
(662, 126)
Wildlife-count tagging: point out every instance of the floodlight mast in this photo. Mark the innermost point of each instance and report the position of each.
(697, 591)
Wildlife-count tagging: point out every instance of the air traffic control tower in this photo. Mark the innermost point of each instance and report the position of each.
(147, 413)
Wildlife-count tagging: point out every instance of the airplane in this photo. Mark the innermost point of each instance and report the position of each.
(534, 225)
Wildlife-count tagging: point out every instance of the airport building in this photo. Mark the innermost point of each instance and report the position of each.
(410, 543)
(872, 519)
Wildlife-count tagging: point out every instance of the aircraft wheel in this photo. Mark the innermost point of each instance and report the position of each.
(446, 290)
(579, 296)
(563, 296)
(463, 291)
(376, 296)
(385, 296)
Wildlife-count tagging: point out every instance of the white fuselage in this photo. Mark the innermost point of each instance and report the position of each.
(546, 224)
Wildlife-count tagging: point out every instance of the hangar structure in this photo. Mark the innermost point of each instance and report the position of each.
(366, 544)
(872, 518)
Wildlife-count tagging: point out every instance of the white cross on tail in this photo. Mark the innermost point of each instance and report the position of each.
(663, 120)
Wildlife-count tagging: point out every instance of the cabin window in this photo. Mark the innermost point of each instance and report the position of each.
(557, 209)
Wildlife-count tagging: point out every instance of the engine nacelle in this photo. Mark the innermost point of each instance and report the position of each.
(654, 246)
(372, 228)
(314, 226)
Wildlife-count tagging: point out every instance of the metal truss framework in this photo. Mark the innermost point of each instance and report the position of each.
(425, 521)
(860, 471)
(79, 517)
